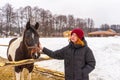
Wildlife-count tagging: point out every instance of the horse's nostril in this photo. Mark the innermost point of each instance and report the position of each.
(35, 56)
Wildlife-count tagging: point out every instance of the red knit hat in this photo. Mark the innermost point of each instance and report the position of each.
(79, 32)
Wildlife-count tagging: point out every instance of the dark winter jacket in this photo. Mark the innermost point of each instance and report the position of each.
(79, 60)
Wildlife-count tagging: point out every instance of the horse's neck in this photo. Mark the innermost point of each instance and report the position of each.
(22, 45)
(24, 51)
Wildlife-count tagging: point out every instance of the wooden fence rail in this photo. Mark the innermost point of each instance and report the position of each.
(4, 45)
(56, 75)
(22, 62)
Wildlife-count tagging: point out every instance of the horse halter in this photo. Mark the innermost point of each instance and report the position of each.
(35, 48)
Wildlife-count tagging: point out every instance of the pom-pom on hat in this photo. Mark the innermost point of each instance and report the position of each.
(79, 32)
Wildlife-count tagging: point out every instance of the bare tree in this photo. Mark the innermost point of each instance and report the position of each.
(71, 21)
(9, 16)
(90, 24)
(61, 21)
(115, 27)
(105, 27)
(44, 21)
(27, 13)
(1, 21)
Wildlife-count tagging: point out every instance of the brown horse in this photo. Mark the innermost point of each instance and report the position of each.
(25, 47)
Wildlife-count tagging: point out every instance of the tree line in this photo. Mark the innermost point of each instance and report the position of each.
(13, 21)
(115, 27)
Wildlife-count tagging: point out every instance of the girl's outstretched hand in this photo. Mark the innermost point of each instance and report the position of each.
(41, 48)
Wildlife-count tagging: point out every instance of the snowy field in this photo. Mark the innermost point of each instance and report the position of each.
(106, 51)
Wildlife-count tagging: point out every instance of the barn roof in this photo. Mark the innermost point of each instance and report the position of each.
(109, 32)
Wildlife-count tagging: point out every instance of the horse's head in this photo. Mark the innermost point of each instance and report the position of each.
(31, 40)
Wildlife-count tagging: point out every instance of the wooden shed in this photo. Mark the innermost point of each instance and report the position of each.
(109, 32)
(67, 33)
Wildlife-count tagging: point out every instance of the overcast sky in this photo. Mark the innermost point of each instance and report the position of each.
(101, 11)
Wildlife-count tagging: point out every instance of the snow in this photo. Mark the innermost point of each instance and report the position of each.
(106, 51)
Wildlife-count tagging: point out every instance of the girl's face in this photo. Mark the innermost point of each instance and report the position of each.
(74, 38)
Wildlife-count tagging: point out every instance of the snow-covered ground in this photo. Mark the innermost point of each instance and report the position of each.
(106, 51)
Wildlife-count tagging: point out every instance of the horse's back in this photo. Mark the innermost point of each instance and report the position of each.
(12, 47)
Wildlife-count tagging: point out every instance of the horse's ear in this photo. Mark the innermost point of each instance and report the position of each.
(36, 25)
(28, 25)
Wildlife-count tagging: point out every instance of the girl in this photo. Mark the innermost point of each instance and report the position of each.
(78, 58)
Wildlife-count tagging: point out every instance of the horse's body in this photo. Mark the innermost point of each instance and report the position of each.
(26, 47)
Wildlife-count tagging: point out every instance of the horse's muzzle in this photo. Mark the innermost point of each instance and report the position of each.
(35, 52)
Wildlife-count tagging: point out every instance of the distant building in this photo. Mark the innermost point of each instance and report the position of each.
(67, 33)
(109, 32)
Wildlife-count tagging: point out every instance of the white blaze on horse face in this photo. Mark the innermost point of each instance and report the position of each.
(12, 48)
(36, 54)
(33, 35)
